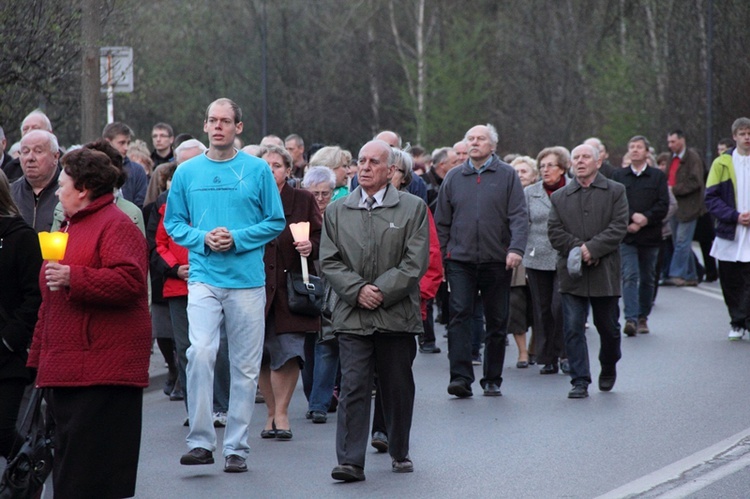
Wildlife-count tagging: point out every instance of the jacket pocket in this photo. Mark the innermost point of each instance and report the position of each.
(85, 337)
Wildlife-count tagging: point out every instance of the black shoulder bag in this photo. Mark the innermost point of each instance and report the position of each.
(28, 470)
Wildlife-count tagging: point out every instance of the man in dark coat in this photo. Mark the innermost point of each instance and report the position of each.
(482, 224)
(648, 202)
(589, 219)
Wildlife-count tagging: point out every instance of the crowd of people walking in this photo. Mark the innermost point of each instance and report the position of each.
(197, 246)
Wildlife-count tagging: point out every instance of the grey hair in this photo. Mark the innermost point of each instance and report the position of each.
(52, 143)
(296, 138)
(189, 144)
(439, 155)
(319, 175)
(494, 137)
(271, 149)
(403, 159)
(45, 119)
(595, 149)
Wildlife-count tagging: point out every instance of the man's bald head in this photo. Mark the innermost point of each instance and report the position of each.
(391, 138)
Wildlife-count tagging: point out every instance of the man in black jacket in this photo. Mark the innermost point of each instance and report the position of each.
(648, 202)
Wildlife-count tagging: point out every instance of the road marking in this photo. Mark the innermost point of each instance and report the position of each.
(691, 474)
(706, 292)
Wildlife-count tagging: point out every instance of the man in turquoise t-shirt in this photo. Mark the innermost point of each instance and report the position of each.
(223, 207)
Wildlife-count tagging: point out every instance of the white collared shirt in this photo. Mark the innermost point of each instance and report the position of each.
(378, 198)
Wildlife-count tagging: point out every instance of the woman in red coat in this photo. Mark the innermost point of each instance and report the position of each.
(92, 341)
(283, 349)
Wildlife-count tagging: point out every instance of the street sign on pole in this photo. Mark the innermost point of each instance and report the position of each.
(115, 74)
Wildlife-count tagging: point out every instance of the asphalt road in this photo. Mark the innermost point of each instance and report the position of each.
(676, 425)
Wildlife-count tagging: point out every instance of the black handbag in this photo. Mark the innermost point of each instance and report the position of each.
(27, 471)
(305, 298)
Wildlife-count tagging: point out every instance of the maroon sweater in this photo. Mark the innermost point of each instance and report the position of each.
(97, 331)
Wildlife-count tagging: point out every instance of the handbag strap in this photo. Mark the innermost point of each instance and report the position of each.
(34, 408)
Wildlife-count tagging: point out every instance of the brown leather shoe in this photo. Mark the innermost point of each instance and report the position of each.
(198, 455)
(642, 326)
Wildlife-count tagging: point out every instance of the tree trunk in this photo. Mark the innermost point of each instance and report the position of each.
(421, 82)
(373, 74)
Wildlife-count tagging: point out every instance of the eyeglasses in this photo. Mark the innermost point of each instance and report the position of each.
(542, 167)
(321, 194)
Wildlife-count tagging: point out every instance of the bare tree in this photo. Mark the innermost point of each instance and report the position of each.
(414, 55)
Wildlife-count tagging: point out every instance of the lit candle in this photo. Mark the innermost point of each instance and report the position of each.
(53, 247)
(300, 233)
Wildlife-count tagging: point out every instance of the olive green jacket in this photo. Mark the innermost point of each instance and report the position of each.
(387, 247)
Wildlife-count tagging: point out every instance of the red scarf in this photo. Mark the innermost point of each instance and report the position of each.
(549, 189)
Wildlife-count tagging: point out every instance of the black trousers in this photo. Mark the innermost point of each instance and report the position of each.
(392, 355)
(11, 393)
(734, 278)
(97, 440)
(548, 316)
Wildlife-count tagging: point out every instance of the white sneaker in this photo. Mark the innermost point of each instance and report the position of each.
(736, 334)
(220, 419)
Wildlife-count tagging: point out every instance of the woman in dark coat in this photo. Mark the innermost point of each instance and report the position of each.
(92, 342)
(20, 261)
(283, 349)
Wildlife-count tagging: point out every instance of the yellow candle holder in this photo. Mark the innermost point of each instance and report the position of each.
(53, 245)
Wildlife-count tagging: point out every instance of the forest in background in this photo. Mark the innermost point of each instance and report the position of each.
(543, 72)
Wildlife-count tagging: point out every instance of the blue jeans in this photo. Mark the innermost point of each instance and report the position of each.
(638, 279)
(319, 376)
(606, 313)
(178, 314)
(242, 311)
(492, 280)
(683, 262)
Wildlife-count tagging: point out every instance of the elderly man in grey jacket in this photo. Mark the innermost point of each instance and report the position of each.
(590, 215)
(482, 224)
(374, 250)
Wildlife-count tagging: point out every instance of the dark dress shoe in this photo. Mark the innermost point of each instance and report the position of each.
(607, 378)
(348, 473)
(565, 366)
(459, 389)
(177, 394)
(199, 455)
(404, 466)
(379, 441)
(578, 392)
(522, 364)
(532, 359)
(429, 348)
(235, 464)
(169, 386)
(492, 390)
(319, 417)
(268, 434)
(283, 434)
(549, 369)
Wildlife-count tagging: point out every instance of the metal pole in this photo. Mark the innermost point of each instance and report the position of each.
(264, 68)
(709, 82)
(110, 91)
